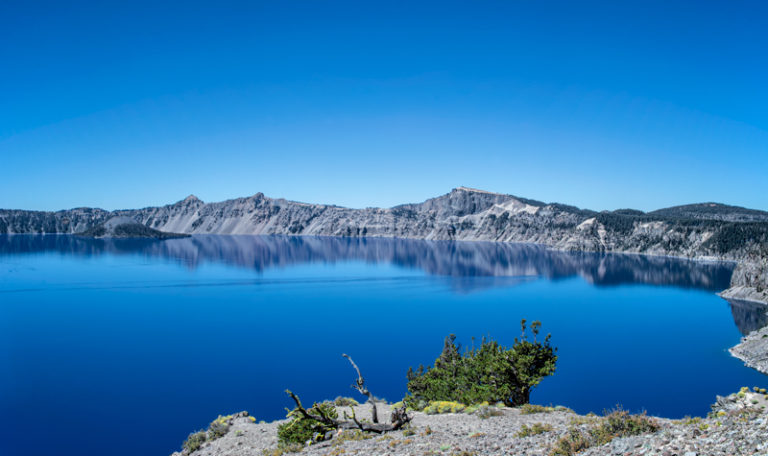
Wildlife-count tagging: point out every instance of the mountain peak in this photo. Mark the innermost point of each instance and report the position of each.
(474, 190)
(191, 199)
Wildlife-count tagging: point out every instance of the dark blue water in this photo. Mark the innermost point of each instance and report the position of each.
(124, 347)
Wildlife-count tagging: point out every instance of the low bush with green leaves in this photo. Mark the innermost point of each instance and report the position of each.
(490, 373)
(530, 409)
(194, 442)
(617, 423)
(283, 449)
(219, 427)
(472, 409)
(345, 402)
(572, 443)
(486, 411)
(534, 429)
(439, 407)
(301, 429)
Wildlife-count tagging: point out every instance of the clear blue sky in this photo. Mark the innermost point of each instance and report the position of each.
(597, 104)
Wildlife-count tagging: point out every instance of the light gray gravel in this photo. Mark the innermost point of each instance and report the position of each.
(737, 427)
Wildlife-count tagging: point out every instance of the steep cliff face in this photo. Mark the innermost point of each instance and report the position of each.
(462, 214)
(704, 231)
(749, 281)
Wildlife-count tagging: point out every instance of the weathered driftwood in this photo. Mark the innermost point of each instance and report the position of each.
(398, 418)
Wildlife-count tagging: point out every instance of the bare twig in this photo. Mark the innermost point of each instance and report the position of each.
(306, 414)
(360, 386)
(398, 419)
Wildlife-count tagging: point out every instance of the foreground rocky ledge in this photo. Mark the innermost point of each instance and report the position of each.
(738, 425)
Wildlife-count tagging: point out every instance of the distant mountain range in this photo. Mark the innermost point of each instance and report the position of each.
(703, 231)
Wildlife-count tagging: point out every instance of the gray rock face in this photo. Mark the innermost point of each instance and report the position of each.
(69, 221)
(749, 281)
(753, 350)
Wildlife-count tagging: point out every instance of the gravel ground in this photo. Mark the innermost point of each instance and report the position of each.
(737, 426)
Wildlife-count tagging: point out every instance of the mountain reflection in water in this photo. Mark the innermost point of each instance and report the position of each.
(503, 263)
(444, 258)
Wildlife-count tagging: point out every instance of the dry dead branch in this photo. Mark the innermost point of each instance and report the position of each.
(398, 418)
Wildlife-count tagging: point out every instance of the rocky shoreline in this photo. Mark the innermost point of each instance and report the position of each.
(737, 424)
(748, 285)
(753, 350)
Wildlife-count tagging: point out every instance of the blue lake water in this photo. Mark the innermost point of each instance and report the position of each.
(123, 347)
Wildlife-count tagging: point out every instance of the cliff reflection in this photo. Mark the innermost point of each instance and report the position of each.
(445, 258)
(748, 316)
(499, 264)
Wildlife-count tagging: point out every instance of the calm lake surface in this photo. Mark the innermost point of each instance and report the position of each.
(123, 347)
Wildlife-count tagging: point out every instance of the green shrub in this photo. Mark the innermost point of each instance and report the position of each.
(491, 373)
(618, 423)
(219, 427)
(534, 429)
(283, 449)
(486, 411)
(687, 420)
(530, 409)
(437, 407)
(301, 429)
(571, 444)
(475, 407)
(352, 435)
(482, 410)
(194, 442)
(345, 402)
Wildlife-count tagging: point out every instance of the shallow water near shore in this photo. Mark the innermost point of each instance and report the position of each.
(123, 347)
